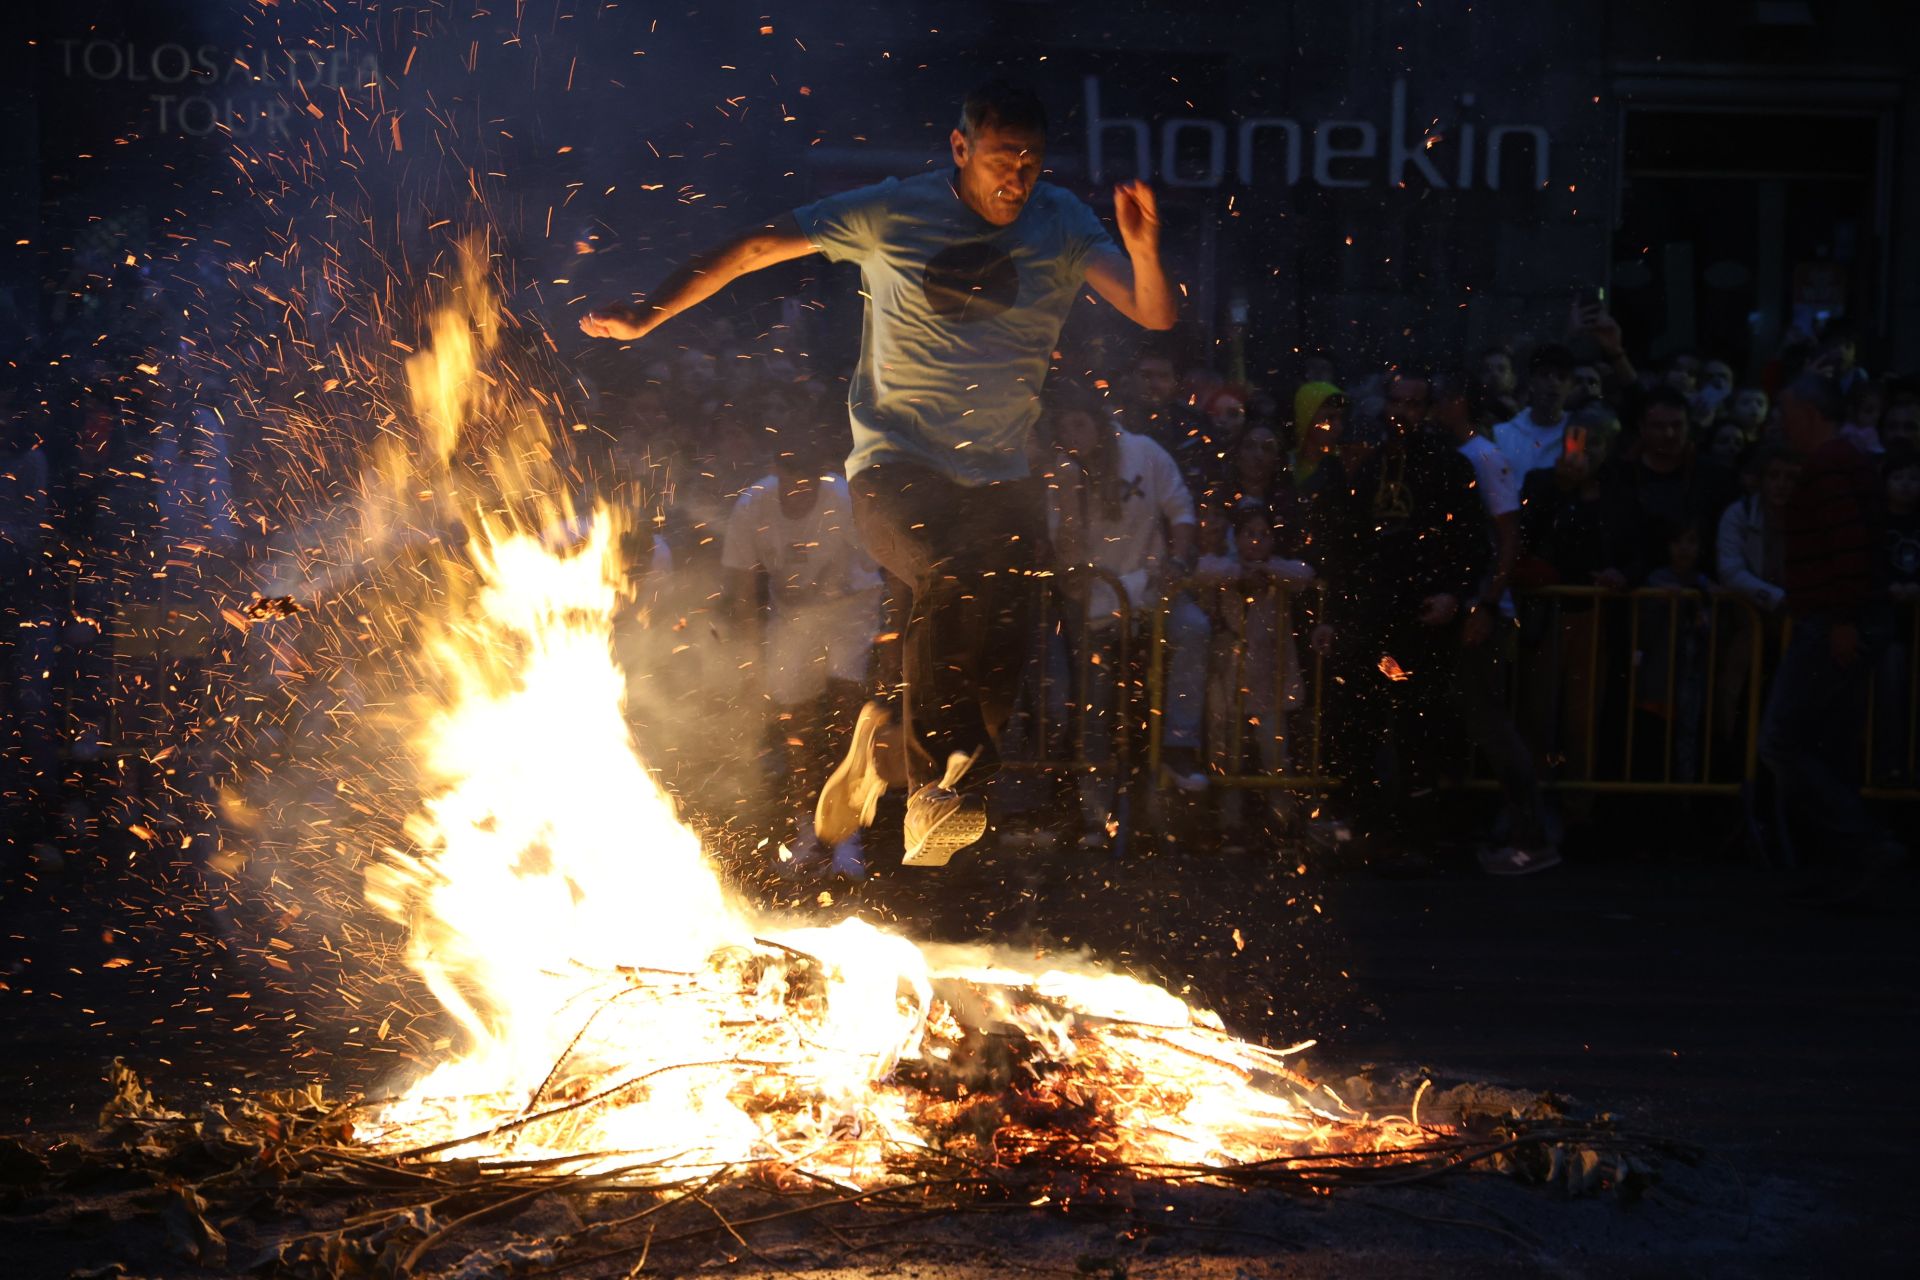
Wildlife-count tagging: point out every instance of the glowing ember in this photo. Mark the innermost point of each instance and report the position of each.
(1392, 670)
(623, 1011)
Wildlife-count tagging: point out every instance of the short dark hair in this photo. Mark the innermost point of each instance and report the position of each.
(1551, 357)
(1002, 103)
(1662, 395)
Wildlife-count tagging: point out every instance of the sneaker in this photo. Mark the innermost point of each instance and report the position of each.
(1511, 860)
(854, 789)
(940, 821)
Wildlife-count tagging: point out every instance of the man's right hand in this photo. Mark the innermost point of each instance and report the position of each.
(621, 321)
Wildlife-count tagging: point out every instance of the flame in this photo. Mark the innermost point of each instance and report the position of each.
(622, 1012)
(1392, 670)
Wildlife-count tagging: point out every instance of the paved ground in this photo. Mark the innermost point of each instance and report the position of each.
(1657, 982)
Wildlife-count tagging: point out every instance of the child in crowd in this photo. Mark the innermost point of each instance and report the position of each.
(1254, 667)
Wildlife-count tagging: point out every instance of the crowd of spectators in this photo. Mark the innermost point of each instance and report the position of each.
(1393, 575)
(1545, 564)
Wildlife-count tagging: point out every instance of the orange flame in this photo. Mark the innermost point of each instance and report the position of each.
(621, 1009)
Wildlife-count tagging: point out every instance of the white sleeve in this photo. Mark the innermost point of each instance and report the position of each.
(1499, 490)
(1176, 501)
(1731, 559)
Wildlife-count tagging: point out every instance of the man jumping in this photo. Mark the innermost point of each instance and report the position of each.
(968, 275)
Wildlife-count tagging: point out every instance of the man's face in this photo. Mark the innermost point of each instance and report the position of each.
(797, 482)
(1154, 382)
(1776, 486)
(1259, 453)
(1903, 487)
(1663, 431)
(1586, 384)
(1750, 408)
(1408, 402)
(997, 170)
(1228, 417)
(1547, 392)
(1330, 424)
(1496, 370)
(1728, 441)
(1717, 374)
(1900, 426)
(1075, 432)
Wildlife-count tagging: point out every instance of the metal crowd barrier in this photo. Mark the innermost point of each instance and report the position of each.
(1235, 717)
(1903, 655)
(1038, 754)
(1599, 689)
(1556, 643)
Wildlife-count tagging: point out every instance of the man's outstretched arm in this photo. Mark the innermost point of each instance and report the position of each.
(703, 276)
(1134, 281)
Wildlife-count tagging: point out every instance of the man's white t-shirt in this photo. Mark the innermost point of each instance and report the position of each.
(1153, 498)
(814, 557)
(1498, 486)
(1529, 446)
(961, 318)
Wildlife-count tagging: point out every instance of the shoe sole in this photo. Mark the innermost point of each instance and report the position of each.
(959, 829)
(847, 803)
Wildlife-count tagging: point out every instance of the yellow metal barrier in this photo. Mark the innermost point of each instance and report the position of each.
(1602, 651)
(1616, 665)
(1084, 658)
(1236, 718)
(1903, 654)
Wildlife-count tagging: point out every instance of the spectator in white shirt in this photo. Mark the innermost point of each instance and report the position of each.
(1533, 438)
(1118, 504)
(823, 598)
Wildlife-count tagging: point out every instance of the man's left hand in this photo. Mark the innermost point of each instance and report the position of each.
(1137, 214)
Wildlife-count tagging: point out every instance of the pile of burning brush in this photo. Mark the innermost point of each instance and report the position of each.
(636, 1043)
(279, 1184)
